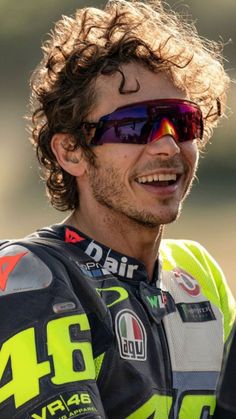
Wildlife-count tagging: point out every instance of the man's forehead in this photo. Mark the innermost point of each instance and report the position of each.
(151, 86)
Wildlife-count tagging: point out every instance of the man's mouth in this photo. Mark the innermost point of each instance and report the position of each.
(160, 179)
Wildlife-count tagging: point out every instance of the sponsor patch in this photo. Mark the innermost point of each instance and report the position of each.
(187, 282)
(158, 303)
(113, 265)
(196, 312)
(64, 307)
(131, 336)
(92, 269)
(7, 265)
(113, 295)
(21, 270)
(72, 237)
(65, 406)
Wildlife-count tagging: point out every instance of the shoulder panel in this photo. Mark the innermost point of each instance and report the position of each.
(21, 271)
(195, 259)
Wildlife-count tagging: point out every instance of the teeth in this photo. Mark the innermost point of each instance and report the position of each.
(156, 178)
(167, 177)
(142, 180)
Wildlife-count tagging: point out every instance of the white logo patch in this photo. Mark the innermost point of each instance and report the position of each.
(131, 336)
(121, 268)
(187, 282)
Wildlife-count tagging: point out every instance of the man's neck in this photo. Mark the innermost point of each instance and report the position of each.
(120, 234)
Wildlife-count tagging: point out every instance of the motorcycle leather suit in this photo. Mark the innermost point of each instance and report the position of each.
(85, 334)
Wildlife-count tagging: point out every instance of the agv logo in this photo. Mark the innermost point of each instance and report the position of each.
(131, 336)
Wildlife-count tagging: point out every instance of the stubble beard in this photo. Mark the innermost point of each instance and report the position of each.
(108, 192)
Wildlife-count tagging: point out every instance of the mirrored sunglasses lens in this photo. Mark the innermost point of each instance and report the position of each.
(140, 125)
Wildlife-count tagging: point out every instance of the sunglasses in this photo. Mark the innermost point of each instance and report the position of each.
(146, 122)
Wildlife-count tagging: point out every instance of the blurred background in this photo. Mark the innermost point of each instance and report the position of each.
(209, 212)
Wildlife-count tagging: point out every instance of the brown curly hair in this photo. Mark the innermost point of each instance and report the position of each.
(96, 42)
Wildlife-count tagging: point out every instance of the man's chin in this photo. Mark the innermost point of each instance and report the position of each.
(171, 216)
(150, 220)
(168, 219)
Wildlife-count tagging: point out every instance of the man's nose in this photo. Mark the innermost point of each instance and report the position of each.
(166, 127)
(165, 146)
(164, 139)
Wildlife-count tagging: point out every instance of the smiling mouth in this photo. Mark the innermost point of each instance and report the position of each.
(161, 180)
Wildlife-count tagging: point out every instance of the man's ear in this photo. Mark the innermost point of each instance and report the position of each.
(70, 160)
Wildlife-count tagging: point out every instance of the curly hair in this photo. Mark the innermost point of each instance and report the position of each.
(96, 42)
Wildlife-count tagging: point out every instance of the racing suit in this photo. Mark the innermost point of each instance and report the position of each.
(85, 335)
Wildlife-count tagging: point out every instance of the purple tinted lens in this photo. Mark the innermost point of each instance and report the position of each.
(141, 123)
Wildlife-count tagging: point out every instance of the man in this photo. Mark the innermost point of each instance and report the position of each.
(102, 317)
